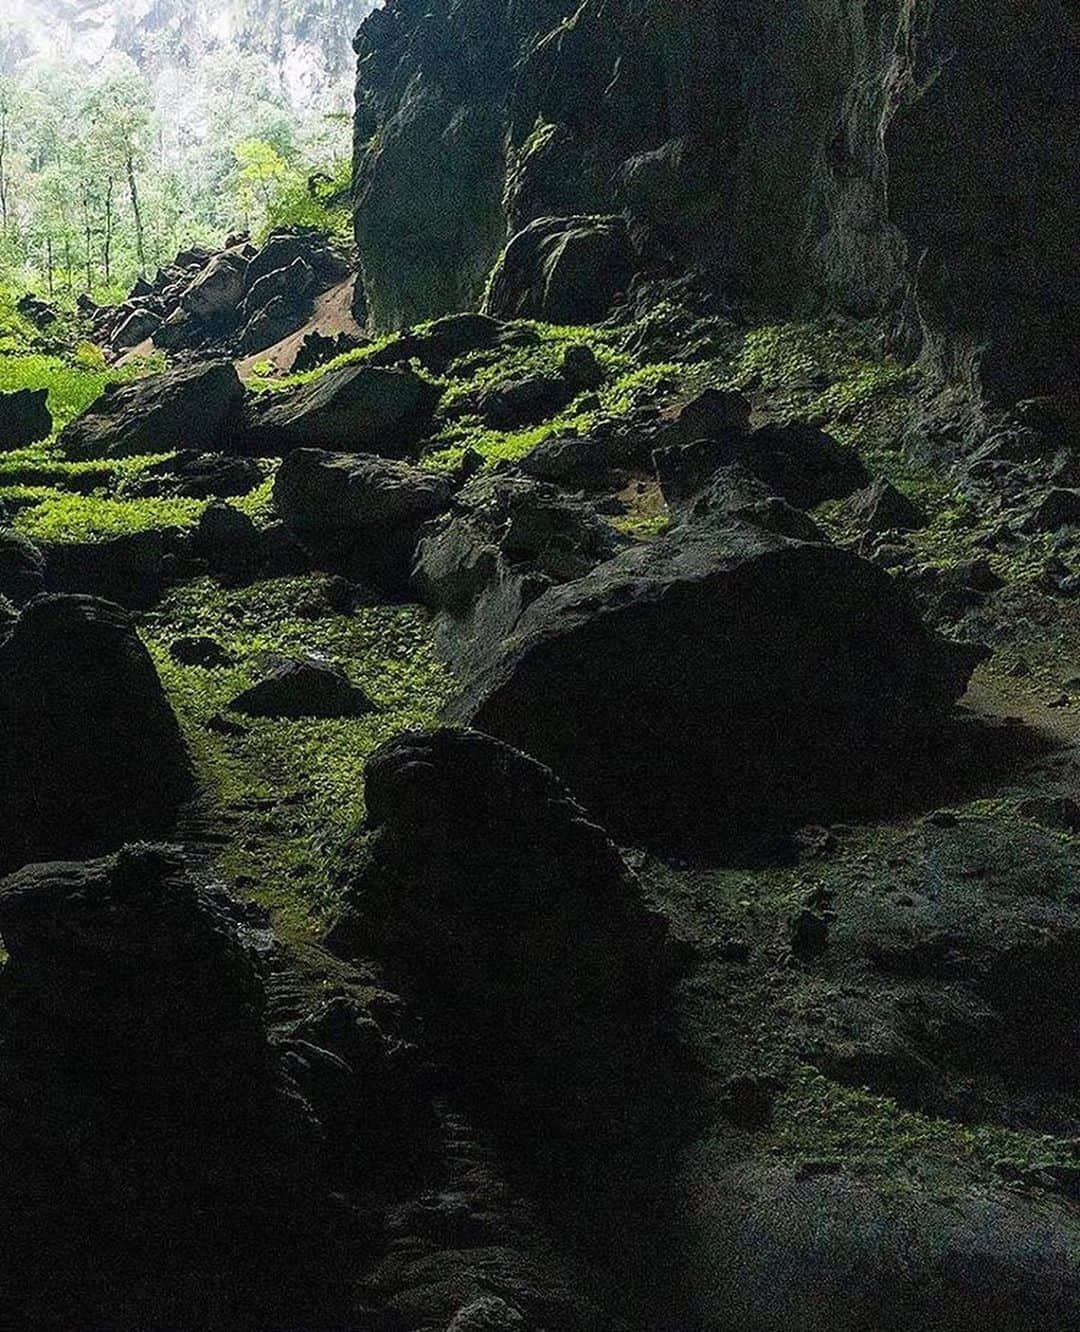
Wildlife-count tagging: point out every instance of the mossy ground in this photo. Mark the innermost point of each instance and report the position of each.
(287, 793)
(284, 795)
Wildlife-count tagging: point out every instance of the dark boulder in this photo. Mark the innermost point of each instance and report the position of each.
(128, 569)
(319, 348)
(199, 650)
(22, 567)
(1058, 508)
(24, 418)
(302, 687)
(172, 1142)
(567, 270)
(580, 368)
(510, 915)
(293, 282)
(327, 262)
(712, 415)
(193, 407)
(93, 755)
(883, 508)
(39, 312)
(436, 344)
(722, 685)
(797, 462)
(355, 408)
(523, 401)
(136, 327)
(360, 513)
(190, 474)
(214, 296)
(508, 539)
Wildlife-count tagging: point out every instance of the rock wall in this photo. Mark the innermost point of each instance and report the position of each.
(902, 157)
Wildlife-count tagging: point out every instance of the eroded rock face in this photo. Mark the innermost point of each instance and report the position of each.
(193, 407)
(353, 409)
(897, 157)
(488, 890)
(92, 755)
(720, 686)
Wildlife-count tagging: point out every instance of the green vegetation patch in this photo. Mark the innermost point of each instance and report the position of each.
(83, 518)
(288, 793)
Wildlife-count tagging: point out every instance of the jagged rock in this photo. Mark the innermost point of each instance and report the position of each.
(354, 409)
(883, 508)
(507, 540)
(734, 494)
(513, 920)
(303, 687)
(580, 368)
(193, 407)
(216, 293)
(93, 755)
(490, 1314)
(39, 312)
(193, 475)
(577, 462)
(283, 248)
(664, 687)
(362, 513)
(713, 414)
(139, 325)
(566, 270)
(294, 282)
(22, 567)
(24, 418)
(223, 531)
(796, 462)
(319, 348)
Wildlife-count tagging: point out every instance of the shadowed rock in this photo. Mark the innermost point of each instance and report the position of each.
(354, 409)
(567, 270)
(358, 512)
(722, 685)
(193, 407)
(305, 687)
(92, 753)
(24, 418)
(511, 917)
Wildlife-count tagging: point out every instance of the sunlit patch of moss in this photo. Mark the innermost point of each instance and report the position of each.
(79, 518)
(644, 526)
(290, 792)
(825, 1124)
(258, 503)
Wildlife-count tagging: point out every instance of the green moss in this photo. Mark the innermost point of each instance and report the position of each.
(822, 1122)
(290, 792)
(78, 518)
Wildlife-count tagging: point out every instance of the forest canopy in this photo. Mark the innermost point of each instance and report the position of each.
(100, 183)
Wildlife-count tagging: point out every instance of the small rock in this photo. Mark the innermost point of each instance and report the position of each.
(809, 934)
(296, 688)
(1057, 812)
(198, 650)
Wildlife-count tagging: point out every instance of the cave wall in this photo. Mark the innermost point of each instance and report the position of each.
(909, 158)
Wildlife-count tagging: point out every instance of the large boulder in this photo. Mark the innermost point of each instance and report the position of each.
(490, 893)
(327, 263)
(302, 687)
(193, 407)
(356, 408)
(22, 567)
(507, 540)
(194, 475)
(216, 293)
(360, 513)
(24, 418)
(92, 754)
(171, 1144)
(722, 685)
(567, 270)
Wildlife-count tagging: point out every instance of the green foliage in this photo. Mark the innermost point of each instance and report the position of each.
(72, 388)
(292, 791)
(79, 518)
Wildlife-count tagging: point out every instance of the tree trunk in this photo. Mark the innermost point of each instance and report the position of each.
(106, 254)
(133, 190)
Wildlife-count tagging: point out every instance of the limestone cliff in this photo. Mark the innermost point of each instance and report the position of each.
(909, 158)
